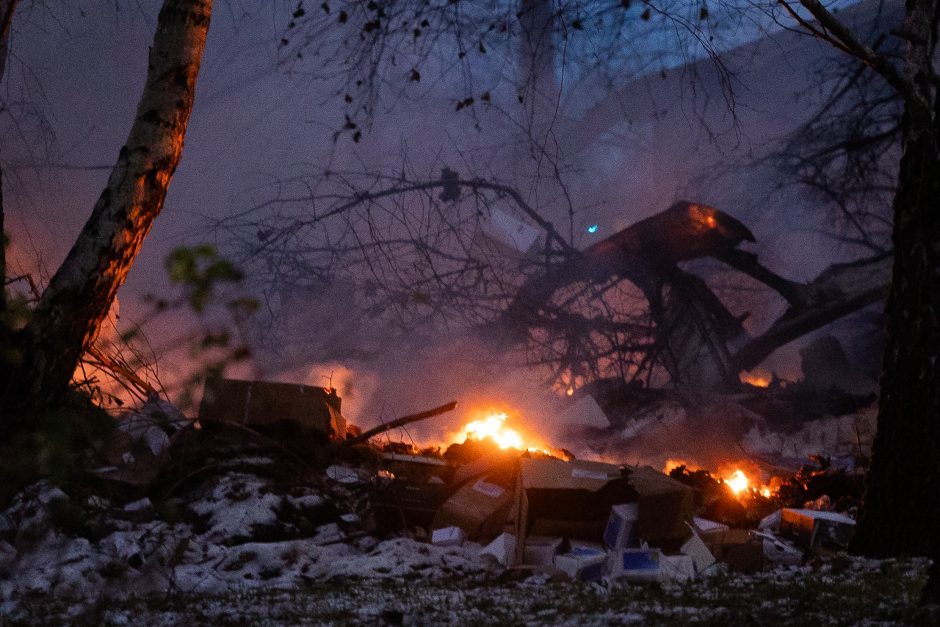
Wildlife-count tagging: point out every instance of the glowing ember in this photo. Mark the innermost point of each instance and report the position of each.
(738, 482)
(756, 378)
(492, 427)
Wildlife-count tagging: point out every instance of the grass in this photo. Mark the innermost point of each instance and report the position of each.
(827, 593)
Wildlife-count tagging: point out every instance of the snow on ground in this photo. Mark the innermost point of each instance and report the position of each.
(60, 549)
(240, 549)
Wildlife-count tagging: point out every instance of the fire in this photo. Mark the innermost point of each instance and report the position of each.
(756, 378)
(493, 427)
(738, 482)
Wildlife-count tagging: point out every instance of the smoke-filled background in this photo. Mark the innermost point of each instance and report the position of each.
(673, 124)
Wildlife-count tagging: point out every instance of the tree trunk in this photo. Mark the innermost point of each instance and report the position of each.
(69, 314)
(901, 513)
(7, 9)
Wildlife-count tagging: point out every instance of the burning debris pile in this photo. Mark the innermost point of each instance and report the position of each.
(273, 487)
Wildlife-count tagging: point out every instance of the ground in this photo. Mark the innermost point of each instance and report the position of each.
(838, 591)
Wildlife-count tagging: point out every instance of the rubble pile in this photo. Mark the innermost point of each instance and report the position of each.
(274, 499)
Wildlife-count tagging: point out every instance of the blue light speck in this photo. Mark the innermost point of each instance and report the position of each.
(593, 228)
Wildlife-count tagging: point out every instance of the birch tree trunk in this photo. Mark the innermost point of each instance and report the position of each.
(73, 306)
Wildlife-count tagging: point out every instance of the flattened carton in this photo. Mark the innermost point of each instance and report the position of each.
(636, 565)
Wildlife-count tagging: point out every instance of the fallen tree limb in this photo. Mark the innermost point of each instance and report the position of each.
(840, 290)
(400, 422)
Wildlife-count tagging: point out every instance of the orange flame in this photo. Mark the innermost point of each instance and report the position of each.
(757, 378)
(493, 427)
(738, 482)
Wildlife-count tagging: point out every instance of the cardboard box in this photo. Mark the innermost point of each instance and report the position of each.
(264, 403)
(540, 550)
(480, 508)
(405, 504)
(666, 506)
(566, 499)
(816, 529)
(622, 531)
(573, 500)
(636, 565)
(737, 548)
(583, 562)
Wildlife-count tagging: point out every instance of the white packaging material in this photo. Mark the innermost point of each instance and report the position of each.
(447, 536)
(503, 548)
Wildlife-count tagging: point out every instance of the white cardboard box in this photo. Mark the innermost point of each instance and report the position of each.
(622, 527)
(637, 565)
